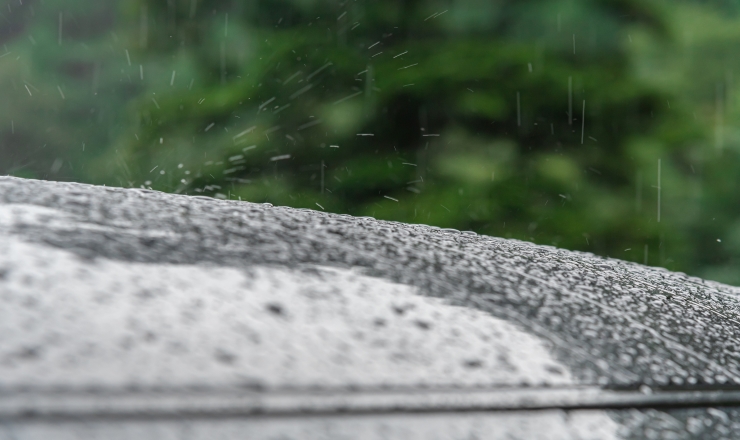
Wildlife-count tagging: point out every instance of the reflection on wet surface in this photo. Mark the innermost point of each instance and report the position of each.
(545, 425)
(72, 323)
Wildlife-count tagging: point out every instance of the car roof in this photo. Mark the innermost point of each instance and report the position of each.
(126, 290)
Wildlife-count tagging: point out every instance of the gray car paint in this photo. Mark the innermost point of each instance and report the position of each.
(567, 340)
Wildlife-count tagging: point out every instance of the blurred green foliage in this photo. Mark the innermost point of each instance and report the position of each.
(608, 126)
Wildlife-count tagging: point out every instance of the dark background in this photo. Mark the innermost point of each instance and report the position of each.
(464, 114)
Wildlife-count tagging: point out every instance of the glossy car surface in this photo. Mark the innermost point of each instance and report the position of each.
(127, 313)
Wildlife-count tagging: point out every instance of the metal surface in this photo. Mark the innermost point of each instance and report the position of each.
(131, 303)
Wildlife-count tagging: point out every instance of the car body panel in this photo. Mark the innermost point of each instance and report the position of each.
(134, 305)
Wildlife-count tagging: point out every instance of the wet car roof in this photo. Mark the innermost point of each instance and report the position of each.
(148, 291)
